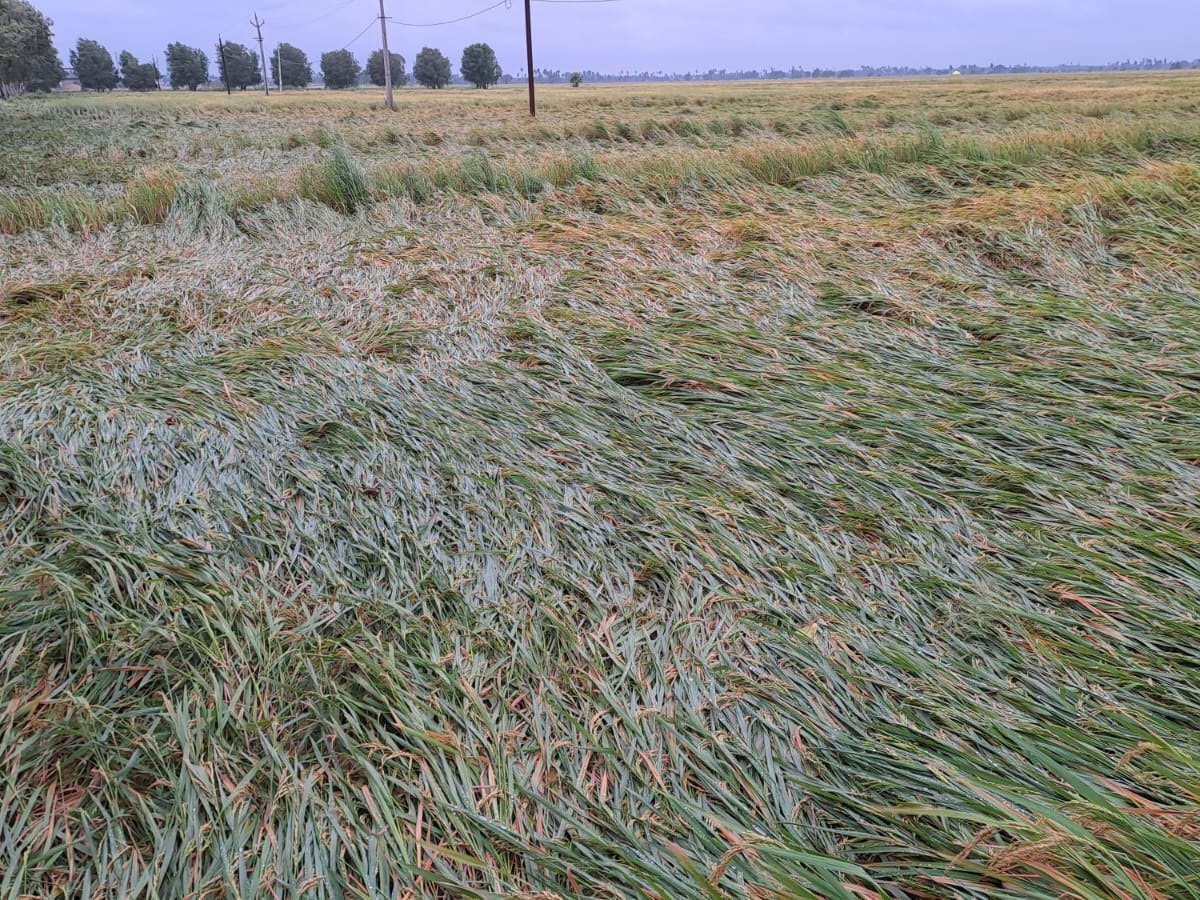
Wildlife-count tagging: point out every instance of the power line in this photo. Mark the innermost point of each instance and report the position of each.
(370, 25)
(319, 16)
(507, 4)
(383, 19)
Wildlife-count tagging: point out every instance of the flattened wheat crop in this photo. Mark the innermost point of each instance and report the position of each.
(786, 490)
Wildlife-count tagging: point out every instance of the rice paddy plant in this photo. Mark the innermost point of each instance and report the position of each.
(200, 208)
(339, 183)
(753, 514)
(150, 196)
(403, 181)
(576, 169)
(475, 174)
(74, 210)
(786, 165)
(833, 121)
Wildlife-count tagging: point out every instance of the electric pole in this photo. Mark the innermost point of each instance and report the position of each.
(224, 66)
(279, 66)
(387, 59)
(529, 57)
(262, 55)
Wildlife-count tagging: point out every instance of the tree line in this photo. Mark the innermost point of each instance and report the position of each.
(557, 76)
(238, 67)
(29, 62)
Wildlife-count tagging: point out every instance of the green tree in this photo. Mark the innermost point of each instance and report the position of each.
(375, 68)
(93, 66)
(431, 68)
(186, 66)
(297, 71)
(576, 79)
(241, 65)
(48, 75)
(480, 66)
(339, 69)
(138, 76)
(25, 46)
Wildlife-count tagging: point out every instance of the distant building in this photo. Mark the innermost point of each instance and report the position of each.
(70, 83)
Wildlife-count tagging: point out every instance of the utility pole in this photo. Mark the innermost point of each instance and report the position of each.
(279, 66)
(529, 57)
(387, 59)
(224, 66)
(262, 55)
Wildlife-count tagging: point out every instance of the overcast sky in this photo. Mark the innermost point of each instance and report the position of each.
(673, 35)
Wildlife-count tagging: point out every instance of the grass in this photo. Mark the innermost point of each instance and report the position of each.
(797, 502)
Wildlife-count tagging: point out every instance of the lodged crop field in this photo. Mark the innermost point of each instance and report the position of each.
(785, 490)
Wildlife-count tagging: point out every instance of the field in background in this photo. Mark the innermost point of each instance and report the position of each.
(785, 489)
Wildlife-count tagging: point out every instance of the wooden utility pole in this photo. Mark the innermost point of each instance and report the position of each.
(387, 59)
(529, 57)
(224, 65)
(262, 53)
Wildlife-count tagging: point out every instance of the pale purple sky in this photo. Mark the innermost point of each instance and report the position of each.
(673, 35)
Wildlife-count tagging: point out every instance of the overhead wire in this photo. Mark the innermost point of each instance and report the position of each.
(318, 17)
(370, 25)
(505, 3)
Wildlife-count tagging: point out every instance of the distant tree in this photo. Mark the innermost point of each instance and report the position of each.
(129, 70)
(93, 66)
(138, 76)
(480, 66)
(431, 68)
(375, 68)
(297, 71)
(186, 66)
(242, 65)
(576, 79)
(339, 69)
(48, 75)
(25, 45)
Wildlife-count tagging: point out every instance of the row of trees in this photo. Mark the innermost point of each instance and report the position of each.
(238, 65)
(28, 61)
(431, 68)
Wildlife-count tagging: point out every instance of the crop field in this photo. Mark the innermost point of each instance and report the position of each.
(753, 490)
